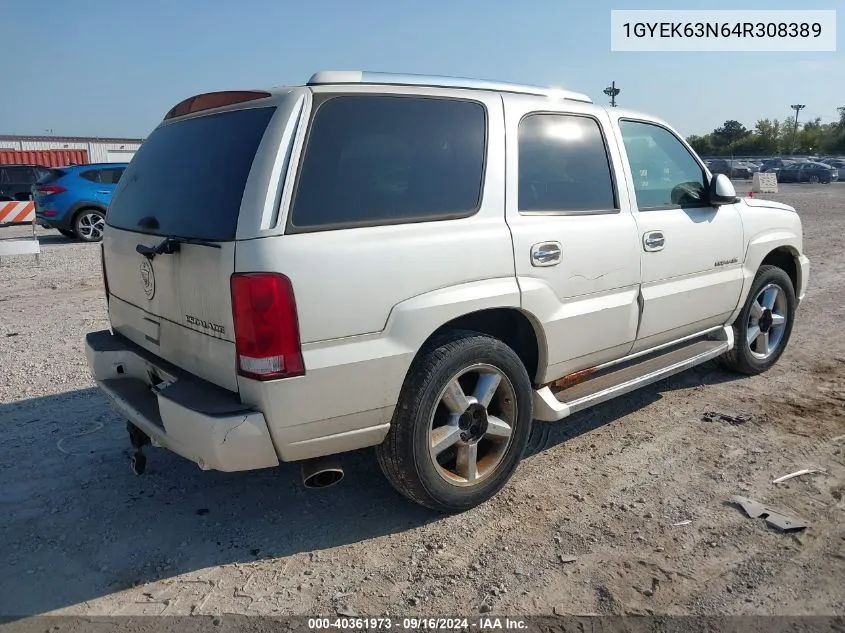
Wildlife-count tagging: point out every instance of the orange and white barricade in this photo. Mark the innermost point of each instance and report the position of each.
(17, 212)
(14, 213)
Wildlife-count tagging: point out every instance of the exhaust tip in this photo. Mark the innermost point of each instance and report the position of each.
(321, 473)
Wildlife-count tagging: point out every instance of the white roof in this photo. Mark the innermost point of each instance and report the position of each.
(328, 77)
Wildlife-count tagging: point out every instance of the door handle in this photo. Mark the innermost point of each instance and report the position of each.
(105, 193)
(653, 241)
(546, 254)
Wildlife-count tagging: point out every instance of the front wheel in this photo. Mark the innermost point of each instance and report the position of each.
(461, 424)
(762, 329)
(89, 225)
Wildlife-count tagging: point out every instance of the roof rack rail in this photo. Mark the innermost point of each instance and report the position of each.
(327, 77)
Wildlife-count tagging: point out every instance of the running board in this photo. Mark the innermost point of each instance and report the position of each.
(617, 380)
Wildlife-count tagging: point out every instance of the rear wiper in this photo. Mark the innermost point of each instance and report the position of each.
(170, 245)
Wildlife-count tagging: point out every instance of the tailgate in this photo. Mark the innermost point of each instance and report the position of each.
(182, 194)
(177, 306)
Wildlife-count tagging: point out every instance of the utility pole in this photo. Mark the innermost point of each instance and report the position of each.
(612, 91)
(797, 107)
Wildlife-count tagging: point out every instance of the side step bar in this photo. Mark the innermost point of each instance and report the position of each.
(617, 380)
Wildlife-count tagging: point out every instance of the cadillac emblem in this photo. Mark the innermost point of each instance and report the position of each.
(148, 280)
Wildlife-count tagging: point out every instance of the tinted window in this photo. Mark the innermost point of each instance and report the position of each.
(92, 174)
(20, 175)
(110, 176)
(664, 171)
(563, 165)
(49, 175)
(188, 177)
(382, 160)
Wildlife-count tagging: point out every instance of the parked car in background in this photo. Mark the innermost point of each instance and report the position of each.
(751, 166)
(16, 181)
(732, 169)
(773, 164)
(74, 199)
(807, 172)
(838, 164)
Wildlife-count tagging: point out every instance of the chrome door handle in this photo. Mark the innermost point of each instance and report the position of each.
(653, 241)
(546, 254)
(105, 193)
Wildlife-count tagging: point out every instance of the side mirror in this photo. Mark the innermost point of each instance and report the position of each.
(722, 190)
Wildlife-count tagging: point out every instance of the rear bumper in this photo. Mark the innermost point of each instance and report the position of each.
(191, 417)
(53, 221)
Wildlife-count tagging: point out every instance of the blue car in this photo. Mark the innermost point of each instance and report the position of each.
(74, 199)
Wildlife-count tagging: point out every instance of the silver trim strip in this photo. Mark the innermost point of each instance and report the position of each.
(656, 348)
(647, 379)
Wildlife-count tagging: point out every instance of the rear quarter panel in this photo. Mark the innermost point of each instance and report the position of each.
(368, 297)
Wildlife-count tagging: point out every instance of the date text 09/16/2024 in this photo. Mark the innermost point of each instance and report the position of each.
(483, 623)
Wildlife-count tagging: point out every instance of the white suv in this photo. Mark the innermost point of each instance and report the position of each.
(426, 265)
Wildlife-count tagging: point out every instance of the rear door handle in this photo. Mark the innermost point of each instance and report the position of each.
(546, 254)
(105, 193)
(653, 241)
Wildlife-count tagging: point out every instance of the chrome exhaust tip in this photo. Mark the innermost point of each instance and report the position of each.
(321, 473)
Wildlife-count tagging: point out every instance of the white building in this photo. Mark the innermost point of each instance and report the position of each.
(61, 150)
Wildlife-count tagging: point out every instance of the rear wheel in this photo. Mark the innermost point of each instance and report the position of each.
(461, 424)
(762, 329)
(89, 224)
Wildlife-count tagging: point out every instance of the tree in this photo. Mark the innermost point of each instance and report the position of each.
(833, 135)
(770, 137)
(731, 131)
(809, 139)
(747, 145)
(701, 144)
(785, 135)
(769, 134)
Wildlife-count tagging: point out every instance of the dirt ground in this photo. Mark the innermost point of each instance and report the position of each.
(590, 523)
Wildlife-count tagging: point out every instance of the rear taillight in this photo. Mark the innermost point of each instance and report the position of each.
(49, 190)
(103, 265)
(266, 326)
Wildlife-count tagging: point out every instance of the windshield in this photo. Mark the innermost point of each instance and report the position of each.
(188, 178)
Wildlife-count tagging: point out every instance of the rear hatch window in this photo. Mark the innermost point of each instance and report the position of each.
(188, 177)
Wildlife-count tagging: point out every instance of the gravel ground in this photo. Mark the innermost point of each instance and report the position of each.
(589, 523)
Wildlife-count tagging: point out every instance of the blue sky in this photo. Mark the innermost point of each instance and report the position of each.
(113, 68)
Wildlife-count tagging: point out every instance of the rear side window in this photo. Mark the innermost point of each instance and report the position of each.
(373, 160)
(563, 165)
(92, 174)
(188, 177)
(49, 175)
(111, 176)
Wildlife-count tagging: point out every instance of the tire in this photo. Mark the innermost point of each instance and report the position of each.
(749, 357)
(88, 225)
(429, 401)
(67, 233)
